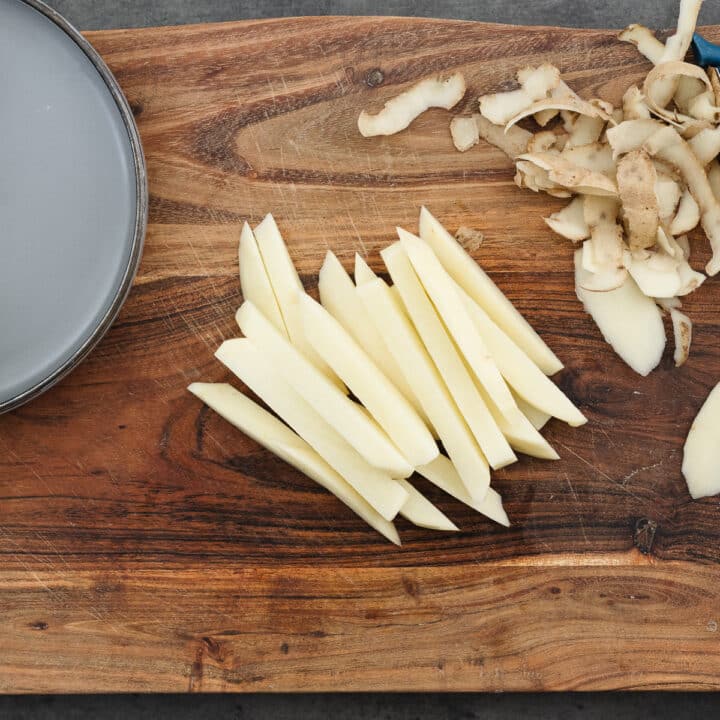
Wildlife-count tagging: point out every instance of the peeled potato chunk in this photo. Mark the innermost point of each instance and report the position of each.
(701, 454)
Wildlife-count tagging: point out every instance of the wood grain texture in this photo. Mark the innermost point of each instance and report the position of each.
(146, 545)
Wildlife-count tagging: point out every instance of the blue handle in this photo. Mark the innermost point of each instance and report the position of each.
(707, 54)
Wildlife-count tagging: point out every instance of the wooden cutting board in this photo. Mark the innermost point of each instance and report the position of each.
(147, 546)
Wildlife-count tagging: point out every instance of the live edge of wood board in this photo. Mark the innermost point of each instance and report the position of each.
(147, 546)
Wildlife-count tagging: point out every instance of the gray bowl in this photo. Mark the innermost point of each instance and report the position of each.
(73, 199)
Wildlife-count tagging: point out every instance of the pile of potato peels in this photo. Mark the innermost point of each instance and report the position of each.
(639, 178)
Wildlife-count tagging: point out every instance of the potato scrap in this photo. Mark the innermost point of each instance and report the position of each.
(464, 132)
(706, 145)
(634, 105)
(513, 142)
(644, 40)
(535, 84)
(570, 176)
(570, 221)
(401, 110)
(687, 216)
(682, 330)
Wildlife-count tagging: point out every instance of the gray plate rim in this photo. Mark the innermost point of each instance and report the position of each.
(141, 210)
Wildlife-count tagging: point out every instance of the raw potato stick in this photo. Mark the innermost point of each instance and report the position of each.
(280, 440)
(380, 397)
(341, 412)
(421, 512)
(525, 378)
(339, 296)
(442, 473)
(287, 287)
(442, 291)
(476, 283)
(241, 357)
(446, 358)
(254, 280)
(425, 380)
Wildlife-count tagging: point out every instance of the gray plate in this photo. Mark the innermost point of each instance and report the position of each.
(73, 199)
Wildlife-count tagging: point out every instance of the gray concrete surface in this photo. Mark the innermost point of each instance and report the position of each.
(95, 14)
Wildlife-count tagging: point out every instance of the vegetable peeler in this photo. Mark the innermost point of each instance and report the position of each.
(707, 54)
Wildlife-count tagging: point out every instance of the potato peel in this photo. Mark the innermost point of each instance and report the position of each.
(682, 331)
(636, 177)
(400, 111)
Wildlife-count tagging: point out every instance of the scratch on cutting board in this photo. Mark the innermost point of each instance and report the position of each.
(577, 504)
(631, 475)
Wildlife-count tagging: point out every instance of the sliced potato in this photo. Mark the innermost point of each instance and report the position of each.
(314, 387)
(446, 358)
(254, 280)
(476, 283)
(629, 321)
(280, 440)
(421, 512)
(464, 133)
(442, 473)
(522, 374)
(443, 292)
(379, 396)
(701, 454)
(253, 367)
(401, 110)
(425, 380)
(287, 288)
(339, 295)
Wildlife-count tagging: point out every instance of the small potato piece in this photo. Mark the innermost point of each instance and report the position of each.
(701, 454)
(644, 40)
(401, 110)
(241, 357)
(478, 285)
(634, 105)
(586, 130)
(655, 275)
(628, 320)
(464, 132)
(682, 330)
(346, 416)
(636, 177)
(279, 439)
(514, 142)
(570, 222)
